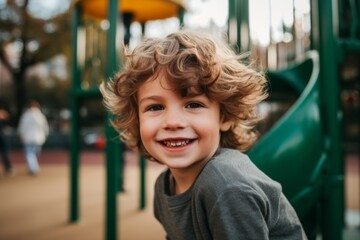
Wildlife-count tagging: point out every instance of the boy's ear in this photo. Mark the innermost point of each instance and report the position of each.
(225, 125)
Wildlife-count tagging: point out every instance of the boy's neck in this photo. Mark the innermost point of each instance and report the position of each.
(184, 178)
(181, 183)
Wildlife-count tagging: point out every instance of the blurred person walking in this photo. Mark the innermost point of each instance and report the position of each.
(4, 148)
(33, 130)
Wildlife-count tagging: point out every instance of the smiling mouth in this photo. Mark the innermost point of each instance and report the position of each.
(176, 143)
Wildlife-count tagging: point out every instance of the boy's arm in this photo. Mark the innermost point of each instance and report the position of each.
(239, 214)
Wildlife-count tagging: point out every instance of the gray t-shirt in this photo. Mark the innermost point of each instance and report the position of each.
(230, 199)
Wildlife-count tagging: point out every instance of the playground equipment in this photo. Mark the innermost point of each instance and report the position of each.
(302, 151)
(294, 151)
(141, 10)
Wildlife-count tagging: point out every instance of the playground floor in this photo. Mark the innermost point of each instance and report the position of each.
(37, 207)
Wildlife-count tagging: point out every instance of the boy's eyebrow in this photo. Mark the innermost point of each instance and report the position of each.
(150, 97)
(158, 97)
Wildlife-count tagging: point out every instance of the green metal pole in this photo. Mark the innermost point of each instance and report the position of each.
(333, 205)
(112, 148)
(74, 133)
(242, 18)
(142, 182)
(142, 160)
(232, 25)
(238, 25)
(238, 14)
(112, 181)
(181, 15)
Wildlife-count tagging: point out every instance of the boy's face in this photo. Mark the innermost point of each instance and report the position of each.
(180, 132)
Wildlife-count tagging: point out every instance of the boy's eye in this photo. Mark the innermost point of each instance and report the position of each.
(194, 105)
(155, 108)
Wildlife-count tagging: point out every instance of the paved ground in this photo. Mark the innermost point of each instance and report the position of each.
(37, 207)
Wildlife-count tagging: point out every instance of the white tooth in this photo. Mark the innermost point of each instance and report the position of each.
(176, 144)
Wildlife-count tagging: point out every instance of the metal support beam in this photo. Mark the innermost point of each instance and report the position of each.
(333, 204)
(74, 133)
(142, 183)
(112, 148)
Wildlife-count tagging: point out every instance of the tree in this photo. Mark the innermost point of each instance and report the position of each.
(28, 36)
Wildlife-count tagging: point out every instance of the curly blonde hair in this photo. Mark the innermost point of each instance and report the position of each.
(189, 60)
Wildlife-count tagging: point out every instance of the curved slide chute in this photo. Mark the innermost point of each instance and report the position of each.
(293, 152)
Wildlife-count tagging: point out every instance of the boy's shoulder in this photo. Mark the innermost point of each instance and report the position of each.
(231, 169)
(227, 162)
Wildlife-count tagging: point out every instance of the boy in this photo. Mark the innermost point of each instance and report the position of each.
(187, 102)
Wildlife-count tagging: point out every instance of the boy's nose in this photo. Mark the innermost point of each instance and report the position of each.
(174, 120)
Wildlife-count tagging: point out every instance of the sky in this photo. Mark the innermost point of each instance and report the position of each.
(202, 12)
(47, 9)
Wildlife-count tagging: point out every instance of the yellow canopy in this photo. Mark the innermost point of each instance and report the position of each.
(142, 10)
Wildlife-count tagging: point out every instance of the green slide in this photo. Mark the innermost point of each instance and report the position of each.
(293, 151)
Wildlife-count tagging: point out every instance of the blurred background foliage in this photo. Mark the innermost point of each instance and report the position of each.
(34, 47)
